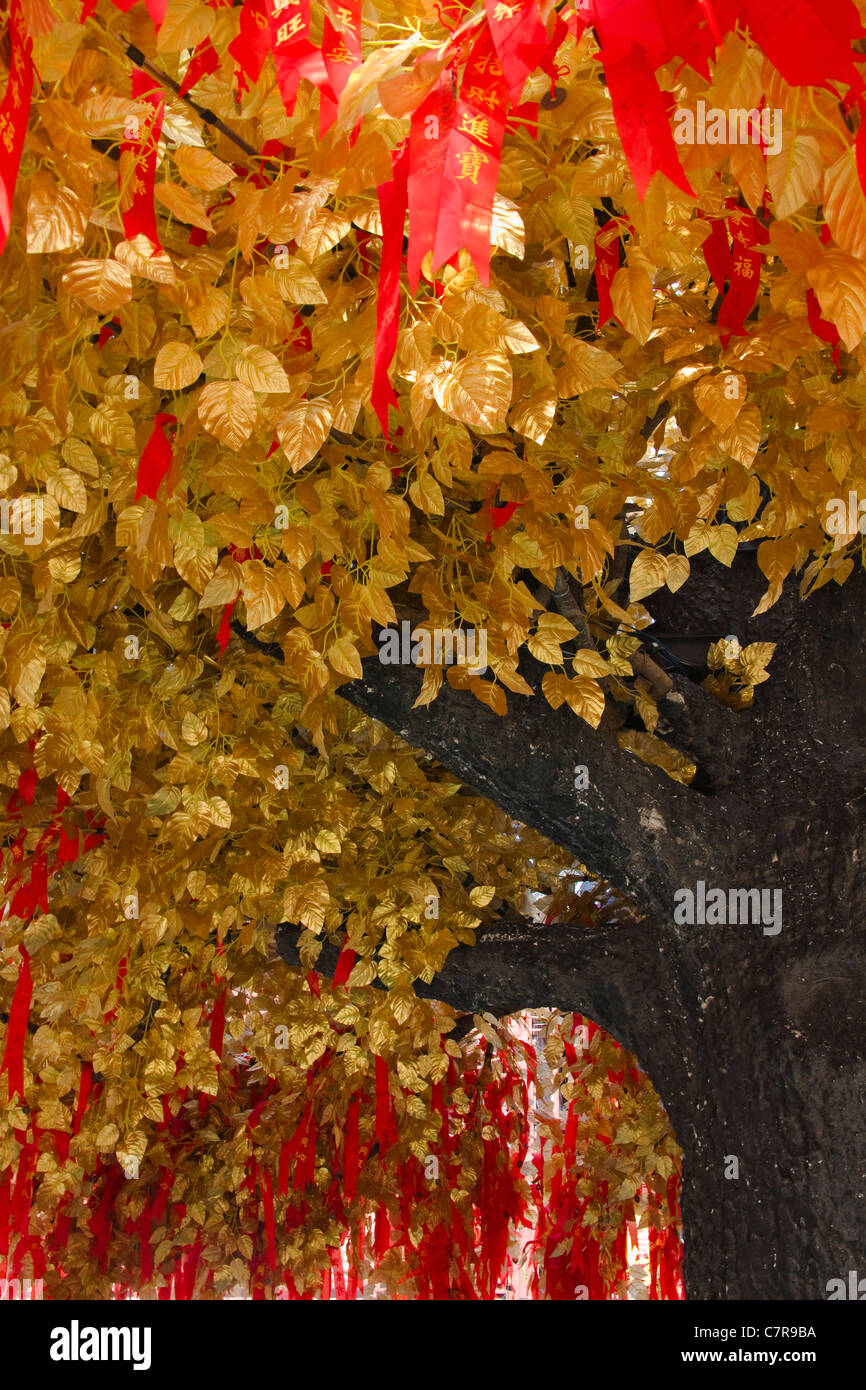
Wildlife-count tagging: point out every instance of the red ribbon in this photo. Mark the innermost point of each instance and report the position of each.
(745, 274)
(345, 962)
(429, 133)
(16, 1029)
(253, 42)
(203, 62)
(393, 198)
(606, 266)
(156, 459)
(14, 111)
(642, 121)
(520, 40)
(139, 217)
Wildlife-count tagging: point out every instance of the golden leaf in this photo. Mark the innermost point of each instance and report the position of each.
(651, 750)
(430, 686)
(193, 729)
(477, 390)
(56, 216)
(722, 542)
(68, 490)
(590, 663)
(25, 666)
(185, 24)
(534, 416)
(103, 285)
(182, 204)
(141, 258)
(840, 285)
(303, 429)
(201, 168)
(506, 227)
(296, 282)
(845, 205)
(488, 692)
(648, 573)
(721, 397)
(324, 233)
(631, 294)
(177, 365)
(344, 658)
(544, 647)
(209, 313)
(260, 370)
(227, 409)
(426, 493)
(775, 558)
(678, 571)
(262, 595)
(586, 698)
(743, 439)
(794, 173)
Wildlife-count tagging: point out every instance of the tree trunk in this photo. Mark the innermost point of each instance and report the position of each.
(755, 1038)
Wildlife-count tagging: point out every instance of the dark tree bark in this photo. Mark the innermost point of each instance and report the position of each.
(755, 1039)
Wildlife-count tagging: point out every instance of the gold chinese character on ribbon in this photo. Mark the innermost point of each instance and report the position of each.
(344, 18)
(489, 64)
(482, 96)
(476, 126)
(603, 269)
(470, 164)
(7, 133)
(503, 12)
(290, 28)
(744, 268)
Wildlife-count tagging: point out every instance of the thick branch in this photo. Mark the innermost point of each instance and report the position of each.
(603, 972)
(631, 825)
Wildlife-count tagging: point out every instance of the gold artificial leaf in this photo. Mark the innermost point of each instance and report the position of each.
(177, 365)
(56, 216)
(227, 409)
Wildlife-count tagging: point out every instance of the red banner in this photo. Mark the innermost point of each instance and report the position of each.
(429, 133)
(137, 211)
(606, 266)
(14, 111)
(392, 205)
(156, 459)
(476, 145)
(341, 50)
(520, 40)
(203, 62)
(16, 1028)
(745, 274)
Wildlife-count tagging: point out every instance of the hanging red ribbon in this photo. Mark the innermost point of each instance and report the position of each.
(14, 111)
(156, 459)
(341, 50)
(520, 40)
(642, 121)
(345, 962)
(745, 274)
(253, 42)
(476, 145)
(606, 266)
(429, 133)
(203, 62)
(392, 205)
(16, 1029)
(138, 164)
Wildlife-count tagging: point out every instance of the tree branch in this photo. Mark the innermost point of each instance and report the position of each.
(601, 972)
